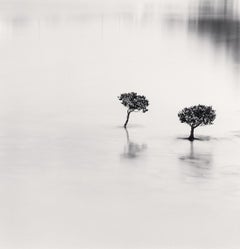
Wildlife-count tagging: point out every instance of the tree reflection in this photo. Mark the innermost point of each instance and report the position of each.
(131, 149)
(200, 163)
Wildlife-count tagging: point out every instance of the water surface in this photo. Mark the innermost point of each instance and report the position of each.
(70, 175)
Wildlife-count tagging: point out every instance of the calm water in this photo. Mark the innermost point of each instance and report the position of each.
(69, 175)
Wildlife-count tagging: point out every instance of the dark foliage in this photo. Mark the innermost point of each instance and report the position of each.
(134, 102)
(197, 115)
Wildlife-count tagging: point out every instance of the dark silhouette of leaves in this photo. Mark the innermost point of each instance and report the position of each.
(134, 102)
(197, 115)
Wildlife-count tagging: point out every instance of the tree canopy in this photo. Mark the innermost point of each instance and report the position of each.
(134, 102)
(197, 115)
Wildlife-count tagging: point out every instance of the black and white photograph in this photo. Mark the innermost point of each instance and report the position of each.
(119, 124)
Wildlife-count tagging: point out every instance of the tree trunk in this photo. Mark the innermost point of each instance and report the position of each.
(128, 114)
(128, 140)
(191, 137)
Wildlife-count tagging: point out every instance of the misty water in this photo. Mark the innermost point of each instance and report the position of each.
(70, 175)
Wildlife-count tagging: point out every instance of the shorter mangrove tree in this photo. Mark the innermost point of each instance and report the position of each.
(197, 115)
